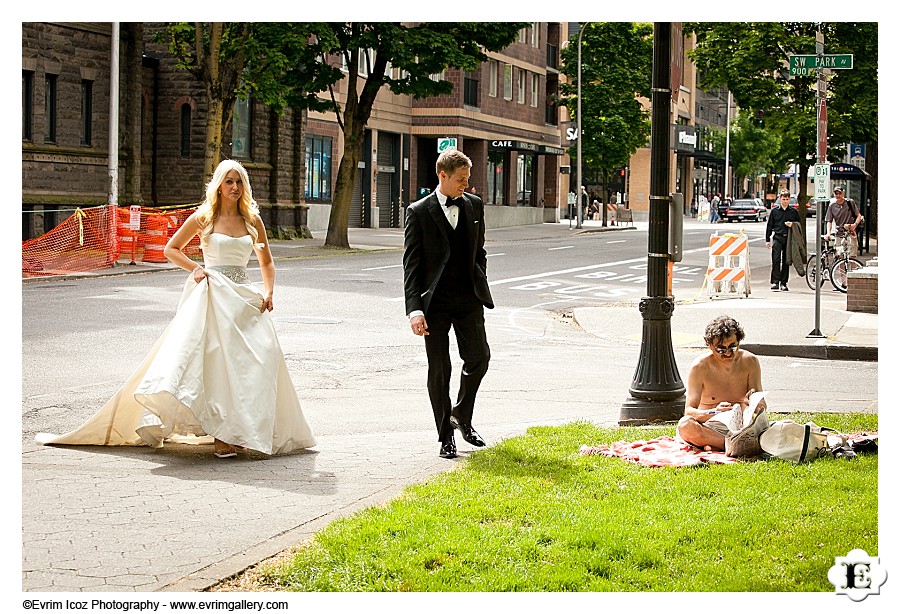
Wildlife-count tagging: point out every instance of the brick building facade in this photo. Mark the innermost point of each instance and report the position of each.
(162, 130)
(506, 126)
(501, 116)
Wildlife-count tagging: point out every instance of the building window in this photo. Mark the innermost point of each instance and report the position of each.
(27, 105)
(525, 180)
(50, 109)
(365, 62)
(507, 81)
(535, 34)
(521, 86)
(534, 89)
(87, 111)
(496, 178)
(318, 169)
(523, 35)
(470, 89)
(186, 130)
(493, 67)
(240, 131)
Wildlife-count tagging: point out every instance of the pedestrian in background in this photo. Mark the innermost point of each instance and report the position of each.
(843, 216)
(778, 227)
(714, 209)
(445, 284)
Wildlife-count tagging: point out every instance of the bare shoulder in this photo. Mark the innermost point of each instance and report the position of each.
(701, 363)
(749, 359)
(257, 222)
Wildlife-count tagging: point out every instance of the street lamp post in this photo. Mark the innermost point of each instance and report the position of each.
(657, 392)
(727, 142)
(578, 119)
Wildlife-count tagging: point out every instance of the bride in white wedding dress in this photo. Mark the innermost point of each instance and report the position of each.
(218, 370)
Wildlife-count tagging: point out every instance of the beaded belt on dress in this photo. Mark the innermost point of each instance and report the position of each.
(237, 274)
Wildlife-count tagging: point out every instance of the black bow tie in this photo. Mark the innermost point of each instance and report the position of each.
(454, 202)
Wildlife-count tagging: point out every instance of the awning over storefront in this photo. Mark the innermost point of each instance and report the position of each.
(510, 144)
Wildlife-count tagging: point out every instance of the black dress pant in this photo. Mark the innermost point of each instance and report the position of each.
(780, 268)
(466, 316)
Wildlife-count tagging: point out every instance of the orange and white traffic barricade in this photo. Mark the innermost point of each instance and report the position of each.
(611, 213)
(155, 238)
(729, 265)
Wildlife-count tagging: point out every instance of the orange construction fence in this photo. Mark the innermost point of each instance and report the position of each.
(100, 237)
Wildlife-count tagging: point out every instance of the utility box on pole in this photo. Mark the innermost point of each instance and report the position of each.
(676, 226)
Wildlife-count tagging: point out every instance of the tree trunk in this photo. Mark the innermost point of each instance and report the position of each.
(213, 137)
(604, 195)
(343, 187)
(134, 37)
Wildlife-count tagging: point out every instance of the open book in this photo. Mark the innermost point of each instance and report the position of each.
(744, 427)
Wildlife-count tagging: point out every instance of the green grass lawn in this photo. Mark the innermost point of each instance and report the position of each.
(532, 514)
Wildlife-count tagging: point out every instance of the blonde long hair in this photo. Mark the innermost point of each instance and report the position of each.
(209, 210)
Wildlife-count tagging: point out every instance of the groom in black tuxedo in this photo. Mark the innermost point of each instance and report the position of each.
(445, 283)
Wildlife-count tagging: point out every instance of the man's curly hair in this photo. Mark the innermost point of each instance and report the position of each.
(722, 327)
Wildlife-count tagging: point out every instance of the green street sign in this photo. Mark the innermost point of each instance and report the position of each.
(445, 144)
(806, 64)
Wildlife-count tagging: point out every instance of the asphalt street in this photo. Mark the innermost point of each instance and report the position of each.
(565, 340)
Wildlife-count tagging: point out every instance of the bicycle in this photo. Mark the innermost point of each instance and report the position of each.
(835, 260)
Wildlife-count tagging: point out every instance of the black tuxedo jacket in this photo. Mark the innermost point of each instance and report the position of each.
(426, 250)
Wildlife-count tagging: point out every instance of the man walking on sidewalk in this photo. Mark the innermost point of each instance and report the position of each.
(777, 229)
(445, 283)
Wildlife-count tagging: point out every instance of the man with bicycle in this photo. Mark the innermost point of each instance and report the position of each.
(777, 230)
(843, 216)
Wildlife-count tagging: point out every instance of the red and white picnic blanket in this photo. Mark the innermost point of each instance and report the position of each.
(668, 451)
(663, 451)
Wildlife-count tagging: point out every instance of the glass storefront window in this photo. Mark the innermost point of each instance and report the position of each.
(525, 180)
(318, 169)
(496, 179)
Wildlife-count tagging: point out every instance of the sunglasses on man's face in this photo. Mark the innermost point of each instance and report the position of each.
(726, 350)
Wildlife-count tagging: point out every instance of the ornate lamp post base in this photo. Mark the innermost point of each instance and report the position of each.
(657, 390)
(637, 412)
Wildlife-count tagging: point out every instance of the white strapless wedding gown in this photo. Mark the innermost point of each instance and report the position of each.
(217, 371)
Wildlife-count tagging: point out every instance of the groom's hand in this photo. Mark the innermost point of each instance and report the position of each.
(418, 325)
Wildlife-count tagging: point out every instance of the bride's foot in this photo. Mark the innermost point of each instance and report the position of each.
(223, 450)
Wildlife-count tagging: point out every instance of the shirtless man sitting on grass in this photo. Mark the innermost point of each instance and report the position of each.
(717, 380)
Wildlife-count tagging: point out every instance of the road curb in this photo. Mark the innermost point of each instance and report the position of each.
(817, 352)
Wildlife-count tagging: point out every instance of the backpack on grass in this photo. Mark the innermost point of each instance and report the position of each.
(799, 443)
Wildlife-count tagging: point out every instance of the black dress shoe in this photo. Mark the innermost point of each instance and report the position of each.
(784, 288)
(774, 286)
(468, 432)
(448, 448)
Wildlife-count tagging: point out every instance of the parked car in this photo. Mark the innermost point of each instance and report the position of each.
(745, 209)
(723, 206)
(810, 208)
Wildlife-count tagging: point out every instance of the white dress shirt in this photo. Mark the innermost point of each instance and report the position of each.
(451, 211)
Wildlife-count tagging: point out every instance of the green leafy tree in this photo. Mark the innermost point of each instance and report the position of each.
(616, 68)
(752, 60)
(237, 60)
(403, 58)
(754, 151)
